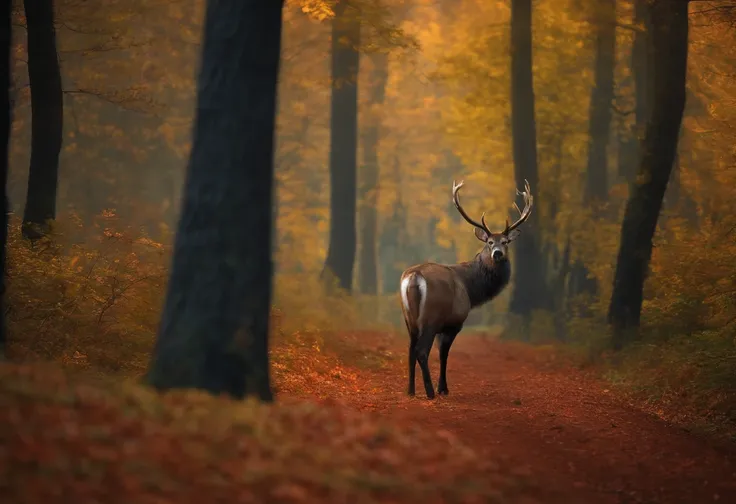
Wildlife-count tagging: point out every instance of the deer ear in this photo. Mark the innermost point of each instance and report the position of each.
(481, 235)
(513, 235)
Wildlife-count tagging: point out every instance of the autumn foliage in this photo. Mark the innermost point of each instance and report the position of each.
(88, 297)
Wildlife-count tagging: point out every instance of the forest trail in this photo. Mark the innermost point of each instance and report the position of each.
(574, 438)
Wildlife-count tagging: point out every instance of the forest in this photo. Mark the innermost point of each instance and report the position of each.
(210, 205)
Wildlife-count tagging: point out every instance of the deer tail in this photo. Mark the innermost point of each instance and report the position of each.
(413, 296)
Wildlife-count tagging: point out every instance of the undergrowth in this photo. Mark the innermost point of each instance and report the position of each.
(90, 299)
(88, 302)
(686, 378)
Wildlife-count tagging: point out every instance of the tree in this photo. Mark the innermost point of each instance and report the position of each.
(370, 175)
(599, 130)
(527, 294)
(214, 328)
(47, 120)
(641, 63)
(669, 46)
(5, 44)
(343, 144)
(601, 100)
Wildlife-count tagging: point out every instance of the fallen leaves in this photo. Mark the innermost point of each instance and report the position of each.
(67, 439)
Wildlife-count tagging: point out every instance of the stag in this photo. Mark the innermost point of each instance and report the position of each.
(437, 298)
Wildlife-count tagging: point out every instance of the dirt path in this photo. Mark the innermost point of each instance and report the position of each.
(577, 441)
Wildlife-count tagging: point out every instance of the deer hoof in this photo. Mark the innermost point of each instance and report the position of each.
(443, 391)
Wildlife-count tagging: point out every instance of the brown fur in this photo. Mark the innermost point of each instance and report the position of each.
(447, 300)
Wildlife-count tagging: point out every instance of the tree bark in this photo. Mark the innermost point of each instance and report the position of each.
(214, 327)
(343, 145)
(370, 174)
(669, 45)
(529, 270)
(47, 118)
(5, 44)
(601, 101)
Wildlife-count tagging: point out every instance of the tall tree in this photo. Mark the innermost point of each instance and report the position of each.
(599, 129)
(641, 63)
(529, 274)
(5, 44)
(214, 327)
(47, 117)
(343, 144)
(601, 100)
(369, 176)
(669, 46)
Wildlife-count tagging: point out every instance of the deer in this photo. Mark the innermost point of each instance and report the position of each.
(437, 298)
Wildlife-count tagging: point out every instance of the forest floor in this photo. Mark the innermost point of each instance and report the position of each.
(576, 439)
(520, 426)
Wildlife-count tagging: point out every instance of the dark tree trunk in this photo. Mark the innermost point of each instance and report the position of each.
(214, 327)
(47, 118)
(669, 40)
(370, 171)
(343, 145)
(601, 101)
(528, 260)
(5, 44)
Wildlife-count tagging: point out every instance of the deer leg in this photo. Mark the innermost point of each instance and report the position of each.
(446, 340)
(412, 363)
(423, 348)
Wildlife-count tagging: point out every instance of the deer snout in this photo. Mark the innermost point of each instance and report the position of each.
(497, 254)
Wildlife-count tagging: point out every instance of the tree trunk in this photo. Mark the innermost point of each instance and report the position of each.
(669, 40)
(47, 118)
(558, 263)
(599, 132)
(529, 270)
(214, 327)
(393, 249)
(601, 101)
(370, 174)
(343, 145)
(5, 44)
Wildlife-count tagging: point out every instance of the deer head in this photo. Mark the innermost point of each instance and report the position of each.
(496, 244)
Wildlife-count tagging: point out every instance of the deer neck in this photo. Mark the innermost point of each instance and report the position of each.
(483, 280)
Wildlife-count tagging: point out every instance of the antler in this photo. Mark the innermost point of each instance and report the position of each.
(456, 200)
(523, 214)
